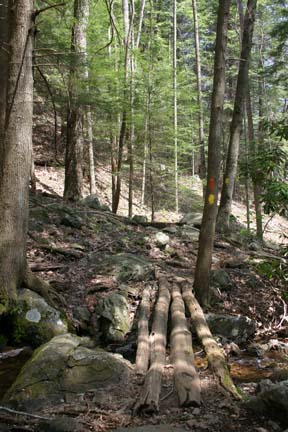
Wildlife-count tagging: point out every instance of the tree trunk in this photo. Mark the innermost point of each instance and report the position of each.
(175, 103)
(186, 379)
(4, 60)
(73, 188)
(215, 354)
(237, 119)
(91, 151)
(149, 397)
(17, 152)
(204, 258)
(143, 345)
(202, 166)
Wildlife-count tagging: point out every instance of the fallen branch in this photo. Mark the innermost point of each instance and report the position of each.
(143, 347)
(23, 413)
(215, 354)
(148, 401)
(186, 379)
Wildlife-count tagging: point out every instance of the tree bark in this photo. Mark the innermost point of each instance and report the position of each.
(17, 152)
(149, 398)
(4, 60)
(143, 345)
(73, 188)
(225, 207)
(186, 379)
(175, 108)
(202, 166)
(215, 354)
(204, 258)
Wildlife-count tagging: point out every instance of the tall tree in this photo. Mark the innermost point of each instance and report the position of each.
(175, 110)
(73, 188)
(204, 258)
(202, 165)
(237, 119)
(3, 64)
(17, 152)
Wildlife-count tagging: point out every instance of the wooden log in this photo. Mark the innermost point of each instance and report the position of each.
(148, 401)
(143, 345)
(186, 379)
(215, 354)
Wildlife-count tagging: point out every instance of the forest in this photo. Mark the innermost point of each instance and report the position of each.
(143, 215)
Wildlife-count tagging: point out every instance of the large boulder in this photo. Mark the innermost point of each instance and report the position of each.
(190, 234)
(221, 279)
(63, 369)
(161, 239)
(192, 219)
(124, 267)
(113, 314)
(34, 321)
(272, 400)
(235, 328)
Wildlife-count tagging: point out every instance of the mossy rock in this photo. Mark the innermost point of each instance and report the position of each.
(33, 321)
(113, 312)
(124, 267)
(65, 367)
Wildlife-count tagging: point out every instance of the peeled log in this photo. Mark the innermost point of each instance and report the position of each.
(143, 344)
(215, 354)
(186, 379)
(149, 397)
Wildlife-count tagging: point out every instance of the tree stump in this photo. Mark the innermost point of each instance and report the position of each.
(186, 379)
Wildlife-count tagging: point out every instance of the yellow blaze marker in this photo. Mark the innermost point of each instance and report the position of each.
(227, 180)
(211, 199)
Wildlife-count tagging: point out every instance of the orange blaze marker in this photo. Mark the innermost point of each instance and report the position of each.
(211, 184)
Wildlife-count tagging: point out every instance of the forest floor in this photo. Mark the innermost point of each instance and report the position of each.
(253, 294)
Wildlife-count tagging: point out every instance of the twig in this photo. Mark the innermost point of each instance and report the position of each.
(39, 11)
(23, 413)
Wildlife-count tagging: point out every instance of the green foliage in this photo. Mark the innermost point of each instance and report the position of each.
(276, 270)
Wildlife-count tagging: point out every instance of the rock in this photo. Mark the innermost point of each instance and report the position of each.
(60, 424)
(105, 207)
(124, 267)
(235, 328)
(83, 316)
(192, 219)
(272, 401)
(150, 428)
(170, 229)
(35, 322)
(190, 233)
(221, 279)
(113, 314)
(161, 239)
(72, 221)
(140, 218)
(63, 369)
(92, 201)
(254, 246)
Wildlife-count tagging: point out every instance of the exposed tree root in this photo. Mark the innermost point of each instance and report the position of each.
(43, 288)
(215, 354)
(186, 379)
(149, 397)
(143, 346)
